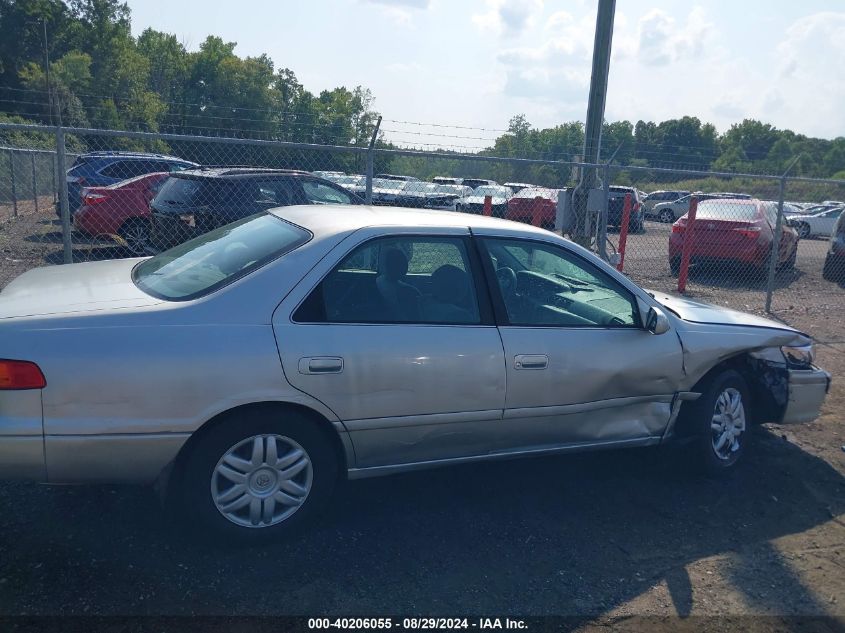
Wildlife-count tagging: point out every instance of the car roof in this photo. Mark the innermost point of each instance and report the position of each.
(240, 172)
(340, 218)
(133, 156)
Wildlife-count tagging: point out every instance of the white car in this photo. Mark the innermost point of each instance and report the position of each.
(817, 225)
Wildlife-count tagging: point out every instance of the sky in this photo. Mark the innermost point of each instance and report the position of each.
(470, 65)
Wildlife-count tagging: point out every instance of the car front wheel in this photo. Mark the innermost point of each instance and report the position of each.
(803, 230)
(720, 419)
(666, 216)
(258, 476)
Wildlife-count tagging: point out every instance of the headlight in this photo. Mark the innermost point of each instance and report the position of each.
(799, 356)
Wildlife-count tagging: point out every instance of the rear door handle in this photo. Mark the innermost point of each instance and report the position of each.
(530, 361)
(320, 365)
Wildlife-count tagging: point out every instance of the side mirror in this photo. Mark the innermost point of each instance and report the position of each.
(656, 321)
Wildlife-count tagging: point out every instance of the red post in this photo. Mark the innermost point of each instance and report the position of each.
(537, 211)
(488, 205)
(623, 231)
(686, 247)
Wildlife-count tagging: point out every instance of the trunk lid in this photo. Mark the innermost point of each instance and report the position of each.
(72, 288)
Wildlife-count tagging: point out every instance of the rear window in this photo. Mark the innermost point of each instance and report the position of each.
(548, 194)
(719, 210)
(215, 259)
(181, 192)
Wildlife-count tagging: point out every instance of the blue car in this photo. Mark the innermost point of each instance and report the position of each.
(98, 169)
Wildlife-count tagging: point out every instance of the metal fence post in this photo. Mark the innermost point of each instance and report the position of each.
(34, 182)
(368, 195)
(12, 176)
(63, 196)
(775, 254)
(53, 170)
(601, 238)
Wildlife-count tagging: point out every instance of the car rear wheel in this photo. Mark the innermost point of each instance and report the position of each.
(675, 266)
(720, 421)
(789, 264)
(258, 476)
(136, 233)
(666, 216)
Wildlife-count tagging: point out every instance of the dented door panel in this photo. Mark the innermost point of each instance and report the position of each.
(605, 384)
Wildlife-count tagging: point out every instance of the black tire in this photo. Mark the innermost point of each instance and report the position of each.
(132, 231)
(833, 270)
(198, 476)
(666, 216)
(803, 231)
(675, 266)
(699, 415)
(789, 264)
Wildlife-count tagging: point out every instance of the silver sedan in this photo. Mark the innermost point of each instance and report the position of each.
(247, 370)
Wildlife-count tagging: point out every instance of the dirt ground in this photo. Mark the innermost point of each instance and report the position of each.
(601, 537)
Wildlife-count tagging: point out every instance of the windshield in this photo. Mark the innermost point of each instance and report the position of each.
(500, 192)
(210, 261)
(721, 210)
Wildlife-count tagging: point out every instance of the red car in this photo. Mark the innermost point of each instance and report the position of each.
(533, 205)
(121, 210)
(734, 231)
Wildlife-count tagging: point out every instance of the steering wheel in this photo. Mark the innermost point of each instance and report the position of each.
(507, 280)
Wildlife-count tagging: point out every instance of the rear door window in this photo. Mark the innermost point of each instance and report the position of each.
(178, 192)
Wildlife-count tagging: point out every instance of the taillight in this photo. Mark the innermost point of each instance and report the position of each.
(678, 228)
(93, 198)
(748, 231)
(20, 374)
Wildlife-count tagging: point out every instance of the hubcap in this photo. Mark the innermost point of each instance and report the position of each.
(667, 216)
(261, 481)
(728, 423)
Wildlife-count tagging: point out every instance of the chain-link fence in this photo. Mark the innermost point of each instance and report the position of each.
(751, 242)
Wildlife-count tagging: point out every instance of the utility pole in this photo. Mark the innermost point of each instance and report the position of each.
(583, 231)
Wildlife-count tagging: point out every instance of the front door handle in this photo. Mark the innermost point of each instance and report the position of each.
(530, 361)
(320, 365)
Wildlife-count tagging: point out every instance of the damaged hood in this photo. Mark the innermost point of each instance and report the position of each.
(697, 312)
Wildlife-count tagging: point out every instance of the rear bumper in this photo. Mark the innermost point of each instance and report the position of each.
(22, 457)
(807, 391)
(21, 435)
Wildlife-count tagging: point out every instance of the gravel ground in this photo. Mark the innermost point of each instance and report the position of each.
(601, 537)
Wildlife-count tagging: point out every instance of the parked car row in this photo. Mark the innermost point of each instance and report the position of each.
(180, 200)
(161, 209)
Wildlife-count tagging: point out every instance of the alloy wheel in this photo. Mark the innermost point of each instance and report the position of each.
(137, 238)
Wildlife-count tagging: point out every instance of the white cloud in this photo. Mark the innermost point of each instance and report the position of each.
(508, 17)
(400, 11)
(414, 4)
(661, 40)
